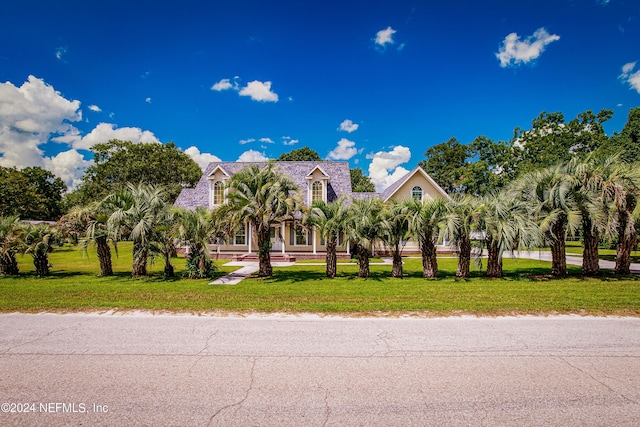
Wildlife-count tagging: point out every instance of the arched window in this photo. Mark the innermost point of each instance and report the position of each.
(416, 193)
(316, 191)
(218, 193)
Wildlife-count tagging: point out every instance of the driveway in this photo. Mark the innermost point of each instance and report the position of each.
(144, 369)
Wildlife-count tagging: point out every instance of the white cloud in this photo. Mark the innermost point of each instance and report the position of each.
(348, 126)
(252, 156)
(202, 159)
(60, 51)
(147, 100)
(344, 150)
(259, 91)
(384, 37)
(514, 51)
(630, 77)
(266, 140)
(69, 166)
(30, 115)
(287, 140)
(223, 84)
(105, 132)
(94, 108)
(385, 168)
(246, 141)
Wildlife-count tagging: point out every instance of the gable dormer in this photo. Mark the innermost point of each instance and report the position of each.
(218, 186)
(317, 185)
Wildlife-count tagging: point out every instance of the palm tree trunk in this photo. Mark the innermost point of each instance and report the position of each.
(627, 238)
(140, 256)
(429, 258)
(104, 256)
(9, 264)
(558, 250)
(264, 253)
(331, 258)
(41, 262)
(494, 261)
(168, 268)
(396, 271)
(363, 261)
(590, 257)
(464, 257)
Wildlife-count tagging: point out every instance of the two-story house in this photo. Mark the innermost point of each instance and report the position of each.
(321, 180)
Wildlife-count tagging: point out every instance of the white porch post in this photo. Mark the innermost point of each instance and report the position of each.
(348, 247)
(249, 238)
(314, 240)
(283, 239)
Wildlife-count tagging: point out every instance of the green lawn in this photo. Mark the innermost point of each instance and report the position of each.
(526, 288)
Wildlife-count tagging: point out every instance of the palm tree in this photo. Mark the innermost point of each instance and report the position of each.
(394, 231)
(11, 235)
(329, 219)
(92, 221)
(196, 229)
(550, 194)
(39, 241)
(505, 222)
(363, 228)
(138, 211)
(461, 221)
(620, 191)
(263, 198)
(425, 220)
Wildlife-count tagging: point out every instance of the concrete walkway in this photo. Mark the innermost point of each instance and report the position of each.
(571, 259)
(248, 268)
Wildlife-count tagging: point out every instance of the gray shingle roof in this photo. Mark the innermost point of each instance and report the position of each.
(339, 179)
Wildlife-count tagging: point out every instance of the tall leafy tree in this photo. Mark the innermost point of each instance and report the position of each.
(360, 183)
(11, 242)
(329, 219)
(627, 142)
(445, 163)
(394, 232)
(425, 220)
(31, 193)
(363, 228)
(551, 140)
(263, 198)
(304, 154)
(117, 163)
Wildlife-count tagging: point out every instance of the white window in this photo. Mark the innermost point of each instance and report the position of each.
(240, 237)
(299, 236)
(416, 193)
(316, 191)
(218, 193)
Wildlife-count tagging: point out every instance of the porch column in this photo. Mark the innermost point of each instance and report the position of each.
(249, 238)
(348, 247)
(283, 239)
(314, 239)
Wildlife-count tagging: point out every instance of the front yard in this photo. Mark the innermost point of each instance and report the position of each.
(526, 289)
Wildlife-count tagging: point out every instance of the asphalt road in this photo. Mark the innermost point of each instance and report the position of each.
(143, 369)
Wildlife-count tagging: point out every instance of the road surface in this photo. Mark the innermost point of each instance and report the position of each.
(182, 370)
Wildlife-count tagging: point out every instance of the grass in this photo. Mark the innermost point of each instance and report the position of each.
(526, 289)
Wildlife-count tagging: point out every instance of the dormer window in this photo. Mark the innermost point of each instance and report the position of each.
(317, 192)
(218, 193)
(416, 193)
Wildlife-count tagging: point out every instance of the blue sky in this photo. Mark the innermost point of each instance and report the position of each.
(374, 83)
